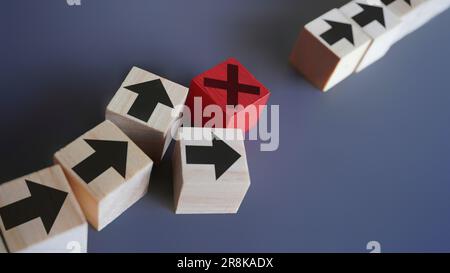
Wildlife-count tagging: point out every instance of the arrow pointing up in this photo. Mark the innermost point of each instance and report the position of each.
(220, 154)
(337, 32)
(108, 154)
(44, 203)
(150, 93)
(369, 14)
(388, 2)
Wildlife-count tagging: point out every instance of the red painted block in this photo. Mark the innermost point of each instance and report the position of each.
(227, 85)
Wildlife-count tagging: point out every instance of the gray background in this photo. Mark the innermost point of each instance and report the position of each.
(367, 161)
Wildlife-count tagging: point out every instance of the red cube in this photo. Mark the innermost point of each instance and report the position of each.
(231, 87)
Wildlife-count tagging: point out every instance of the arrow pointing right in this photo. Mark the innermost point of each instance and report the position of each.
(44, 202)
(108, 154)
(337, 32)
(220, 154)
(369, 14)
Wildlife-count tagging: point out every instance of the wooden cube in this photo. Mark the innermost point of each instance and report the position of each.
(329, 49)
(107, 171)
(227, 85)
(210, 170)
(2, 246)
(409, 12)
(39, 213)
(145, 108)
(378, 23)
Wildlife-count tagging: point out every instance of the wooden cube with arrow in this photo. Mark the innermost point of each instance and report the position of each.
(107, 172)
(145, 108)
(39, 213)
(378, 22)
(409, 12)
(210, 170)
(329, 49)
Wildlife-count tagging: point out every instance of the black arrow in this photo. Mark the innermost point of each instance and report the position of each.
(149, 95)
(108, 154)
(388, 2)
(369, 14)
(337, 32)
(220, 154)
(44, 203)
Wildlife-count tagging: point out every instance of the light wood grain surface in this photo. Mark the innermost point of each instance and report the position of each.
(151, 136)
(196, 189)
(110, 194)
(70, 224)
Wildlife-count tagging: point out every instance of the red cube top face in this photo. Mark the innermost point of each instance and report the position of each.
(230, 83)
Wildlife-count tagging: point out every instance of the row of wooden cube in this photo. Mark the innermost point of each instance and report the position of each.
(106, 170)
(349, 39)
